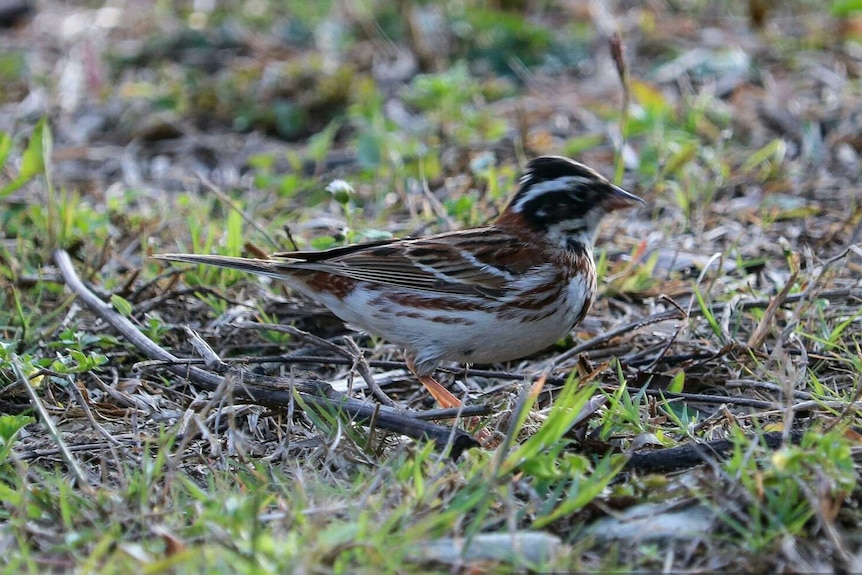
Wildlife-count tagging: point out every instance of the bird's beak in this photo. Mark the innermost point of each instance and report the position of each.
(617, 199)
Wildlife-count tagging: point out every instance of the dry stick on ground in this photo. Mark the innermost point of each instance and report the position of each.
(29, 454)
(693, 454)
(281, 384)
(355, 357)
(317, 394)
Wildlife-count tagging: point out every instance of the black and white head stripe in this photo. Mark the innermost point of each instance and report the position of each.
(552, 167)
(555, 189)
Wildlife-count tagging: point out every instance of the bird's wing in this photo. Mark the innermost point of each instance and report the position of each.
(483, 261)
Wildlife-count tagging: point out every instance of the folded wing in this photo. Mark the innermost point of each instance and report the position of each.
(456, 263)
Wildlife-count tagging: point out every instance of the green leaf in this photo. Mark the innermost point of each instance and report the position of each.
(323, 242)
(707, 313)
(677, 383)
(38, 148)
(843, 8)
(560, 419)
(582, 491)
(122, 306)
(651, 98)
(5, 147)
(768, 159)
(580, 144)
(33, 159)
(10, 425)
(235, 240)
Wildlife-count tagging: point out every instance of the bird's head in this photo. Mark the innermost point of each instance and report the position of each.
(565, 201)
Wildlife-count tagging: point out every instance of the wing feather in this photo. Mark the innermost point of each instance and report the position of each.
(454, 263)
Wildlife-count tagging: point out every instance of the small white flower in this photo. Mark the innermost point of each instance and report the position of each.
(341, 190)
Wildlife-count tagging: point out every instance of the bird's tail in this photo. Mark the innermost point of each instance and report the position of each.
(272, 268)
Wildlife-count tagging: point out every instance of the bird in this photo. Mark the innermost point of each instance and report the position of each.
(482, 295)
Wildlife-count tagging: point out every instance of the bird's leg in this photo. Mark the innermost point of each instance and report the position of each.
(443, 396)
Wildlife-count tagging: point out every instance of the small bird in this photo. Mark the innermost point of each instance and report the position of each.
(481, 295)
